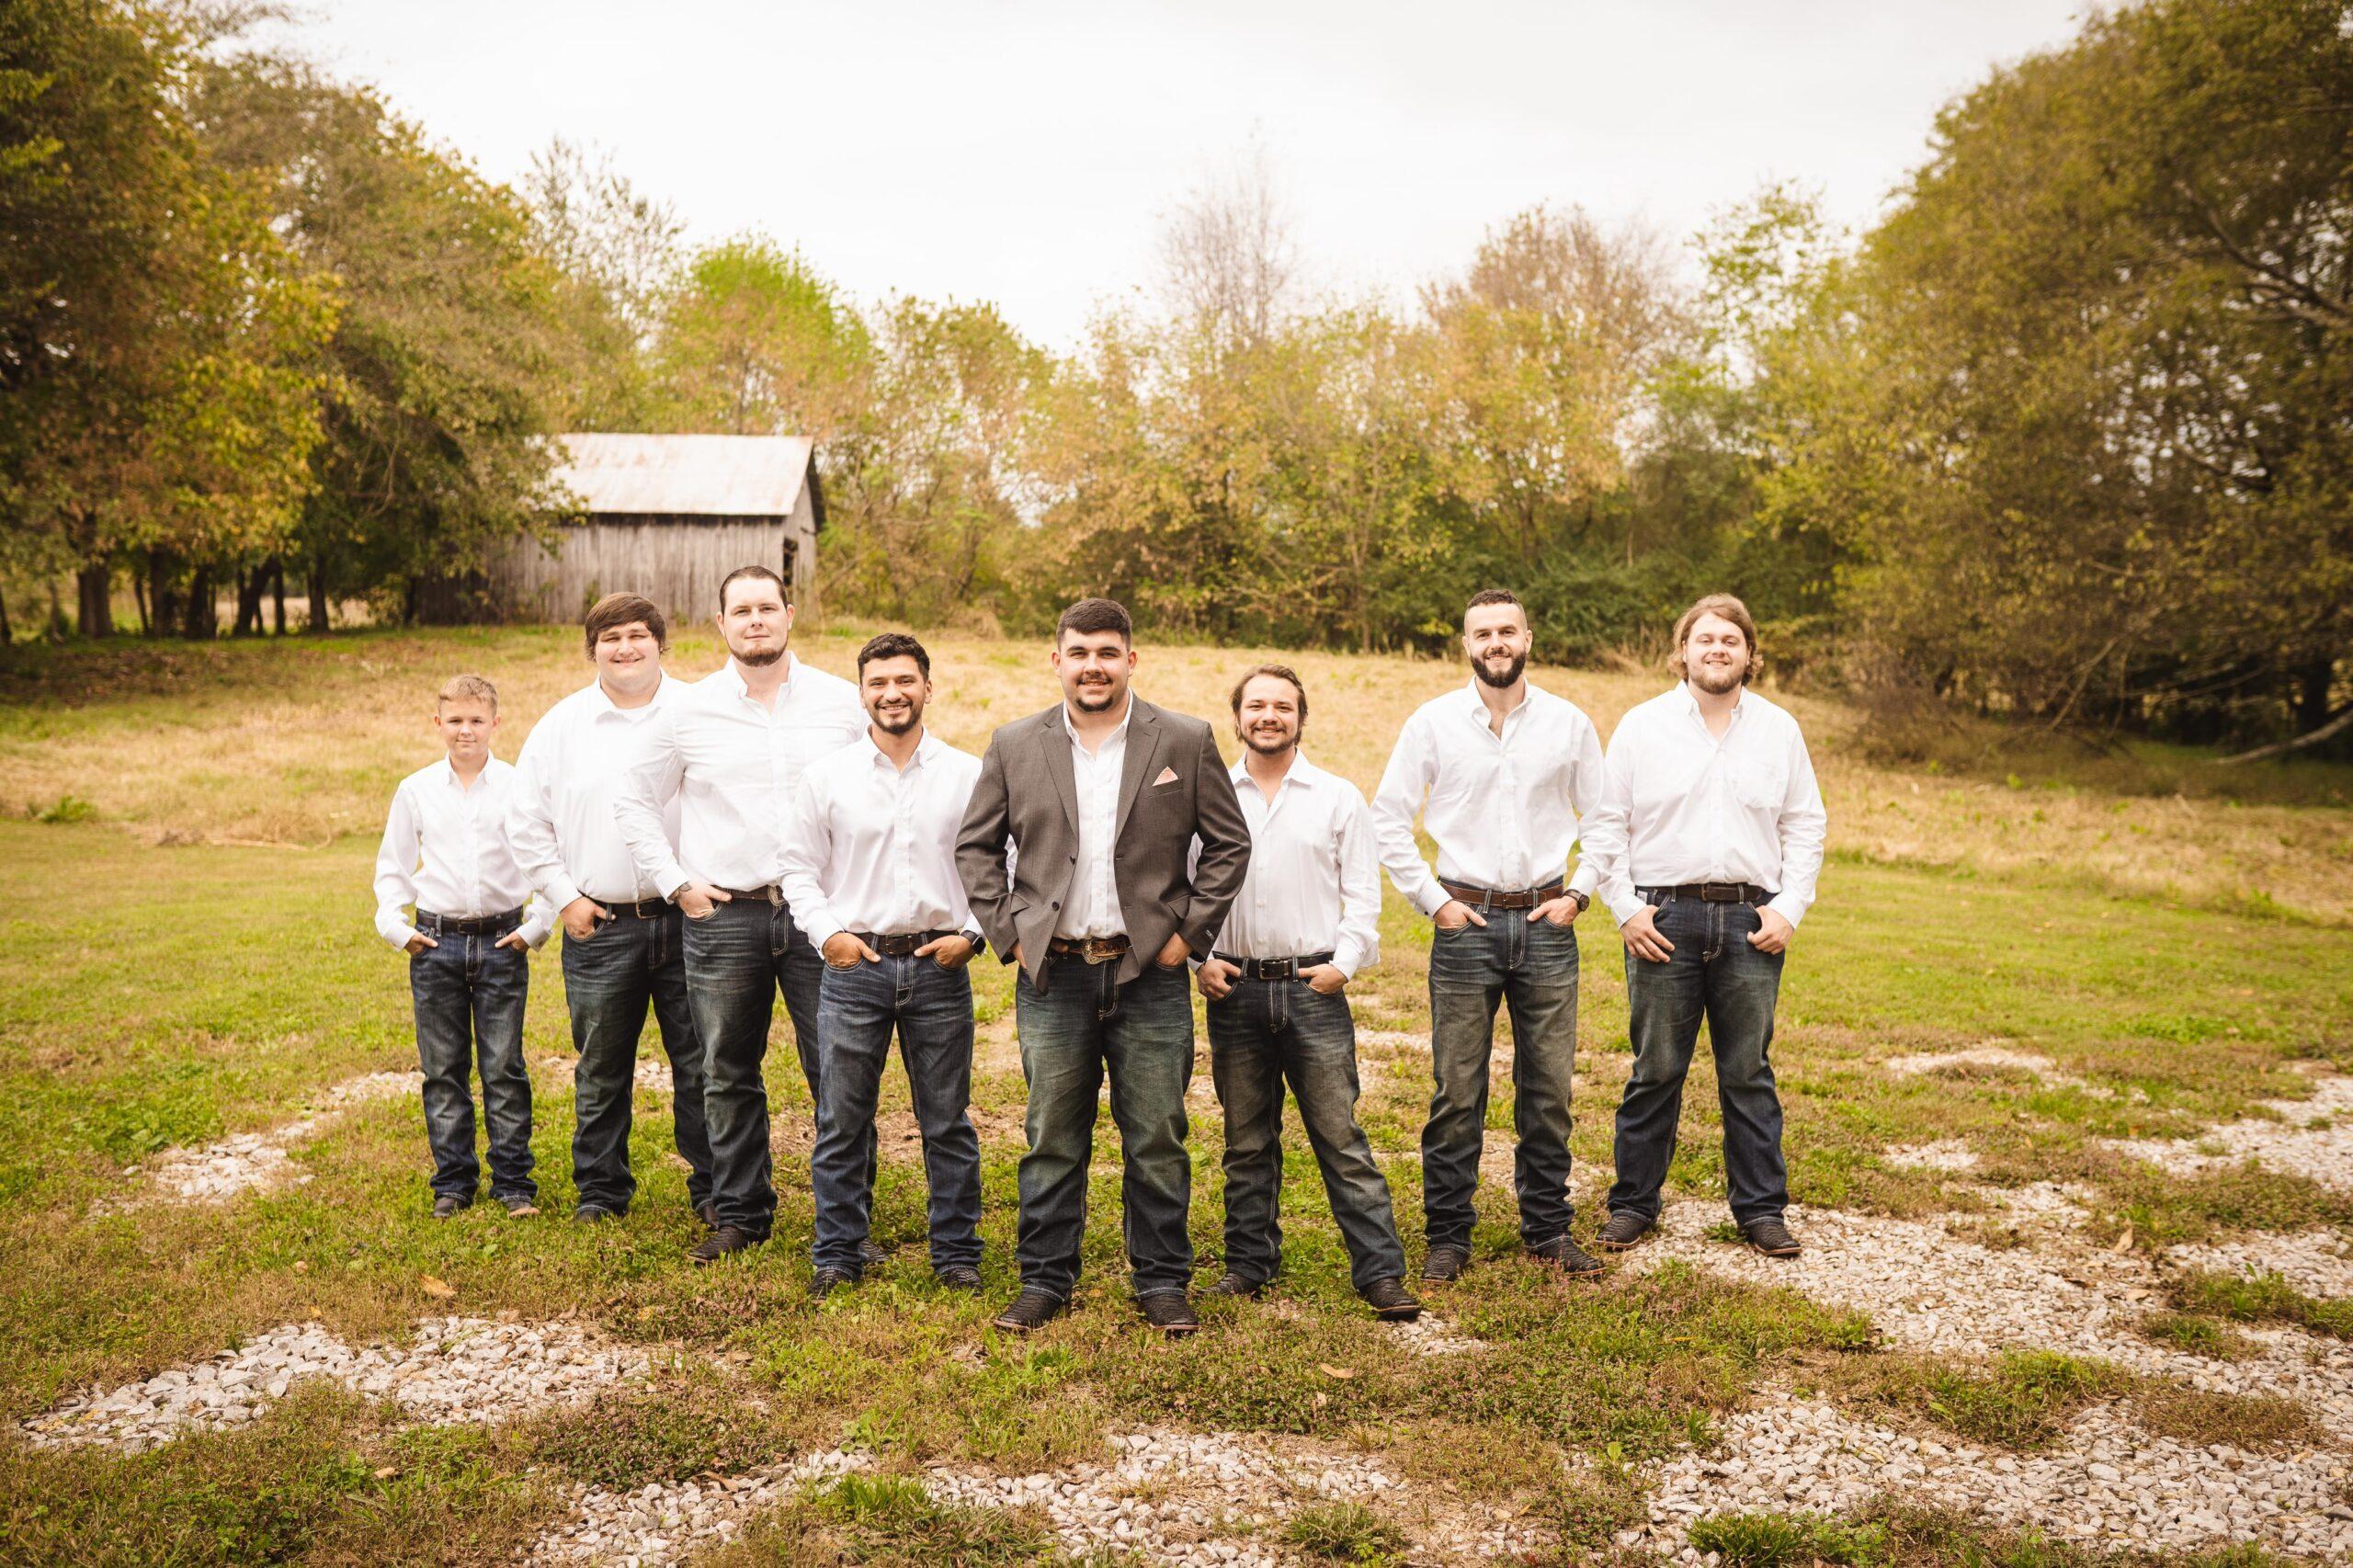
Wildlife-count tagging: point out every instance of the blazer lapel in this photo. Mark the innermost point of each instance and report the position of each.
(1055, 743)
(1143, 756)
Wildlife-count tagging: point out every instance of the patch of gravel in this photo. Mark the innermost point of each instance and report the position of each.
(248, 1162)
(1431, 1334)
(1989, 1055)
(454, 1370)
(1947, 1154)
(658, 1523)
(2318, 1262)
(2108, 1485)
(652, 1069)
(2311, 1138)
(1927, 1289)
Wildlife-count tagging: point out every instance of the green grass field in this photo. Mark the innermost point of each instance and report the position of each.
(186, 955)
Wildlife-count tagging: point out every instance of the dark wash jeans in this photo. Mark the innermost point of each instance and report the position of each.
(609, 980)
(1531, 968)
(469, 994)
(931, 1010)
(1264, 1032)
(738, 957)
(1714, 974)
(1081, 1023)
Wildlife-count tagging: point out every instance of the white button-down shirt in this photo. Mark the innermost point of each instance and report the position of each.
(732, 763)
(561, 821)
(872, 846)
(445, 851)
(1503, 809)
(1683, 806)
(1092, 907)
(1314, 879)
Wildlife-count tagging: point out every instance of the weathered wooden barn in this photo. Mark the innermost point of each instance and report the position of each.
(669, 517)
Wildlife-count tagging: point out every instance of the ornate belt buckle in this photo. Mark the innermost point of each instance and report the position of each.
(1099, 949)
(1720, 892)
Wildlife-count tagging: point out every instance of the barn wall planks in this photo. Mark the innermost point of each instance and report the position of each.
(676, 563)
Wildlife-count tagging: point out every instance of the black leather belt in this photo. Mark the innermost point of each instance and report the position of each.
(1273, 969)
(1486, 898)
(901, 947)
(481, 926)
(769, 894)
(637, 909)
(1718, 892)
(1094, 949)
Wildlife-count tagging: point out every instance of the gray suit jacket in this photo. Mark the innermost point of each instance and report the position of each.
(1028, 792)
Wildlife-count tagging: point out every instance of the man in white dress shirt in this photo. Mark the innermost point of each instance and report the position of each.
(1500, 772)
(1708, 841)
(869, 870)
(445, 852)
(1307, 919)
(731, 750)
(623, 942)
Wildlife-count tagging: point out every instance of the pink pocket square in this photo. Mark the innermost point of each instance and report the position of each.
(1167, 775)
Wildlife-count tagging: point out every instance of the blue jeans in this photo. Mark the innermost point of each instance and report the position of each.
(1531, 968)
(1264, 1032)
(609, 980)
(931, 1008)
(469, 996)
(738, 957)
(1714, 974)
(1081, 1023)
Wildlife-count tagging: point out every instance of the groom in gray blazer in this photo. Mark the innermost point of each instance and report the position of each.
(1074, 854)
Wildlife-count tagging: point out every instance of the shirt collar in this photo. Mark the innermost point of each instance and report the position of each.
(447, 776)
(1119, 734)
(602, 701)
(1477, 705)
(925, 749)
(1301, 771)
(1690, 703)
(734, 673)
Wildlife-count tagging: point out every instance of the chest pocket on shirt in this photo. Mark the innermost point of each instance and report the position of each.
(1761, 786)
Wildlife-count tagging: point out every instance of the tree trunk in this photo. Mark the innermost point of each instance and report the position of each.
(138, 593)
(278, 592)
(203, 620)
(163, 603)
(249, 586)
(7, 632)
(2312, 682)
(315, 581)
(94, 594)
(57, 627)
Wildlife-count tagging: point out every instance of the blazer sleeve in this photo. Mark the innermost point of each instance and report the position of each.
(1224, 855)
(980, 852)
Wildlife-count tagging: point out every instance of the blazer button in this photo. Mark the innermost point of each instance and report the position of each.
(1057, 904)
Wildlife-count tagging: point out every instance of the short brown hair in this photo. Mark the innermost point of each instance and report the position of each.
(1732, 609)
(616, 610)
(1089, 616)
(1280, 672)
(766, 573)
(458, 688)
(1497, 596)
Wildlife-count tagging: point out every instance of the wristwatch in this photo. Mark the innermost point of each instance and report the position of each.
(979, 943)
(1584, 900)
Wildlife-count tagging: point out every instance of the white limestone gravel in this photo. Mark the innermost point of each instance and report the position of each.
(1948, 1155)
(666, 1522)
(2108, 1483)
(454, 1370)
(1989, 1055)
(2311, 1138)
(248, 1162)
(2318, 1262)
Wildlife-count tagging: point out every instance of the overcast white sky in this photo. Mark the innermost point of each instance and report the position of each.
(1026, 153)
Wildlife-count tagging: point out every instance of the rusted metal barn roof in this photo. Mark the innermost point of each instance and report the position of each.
(724, 476)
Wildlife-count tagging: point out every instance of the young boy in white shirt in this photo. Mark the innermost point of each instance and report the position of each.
(445, 852)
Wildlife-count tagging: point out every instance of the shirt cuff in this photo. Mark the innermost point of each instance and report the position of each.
(822, 929)
(1429, 896)
(397, 932)
(560, 894)
(1789, 906)
(1588, 878)
(1347, 961)
(1625, 906)
(536, 932)
(670, 878)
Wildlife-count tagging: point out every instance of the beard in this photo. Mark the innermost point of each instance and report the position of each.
(896, 720)
(1715, 680)
(1269, 745)
(1094, 699)
(1502, 680)
(757, 661)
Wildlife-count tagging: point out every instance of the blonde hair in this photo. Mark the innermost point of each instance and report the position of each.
(458, 688)
(1731, 609)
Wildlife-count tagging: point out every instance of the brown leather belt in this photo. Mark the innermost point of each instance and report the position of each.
(1274, 969)
(1718, 892)
(1487, 898)
(1094, 949)
(903, 946)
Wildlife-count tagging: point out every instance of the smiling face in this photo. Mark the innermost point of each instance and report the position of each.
(1267, 720)
(1715, 656)
(1497, 640)
(895, 691)
(755, 621)
(466, 724)
(1095, 667)
(629, 659)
